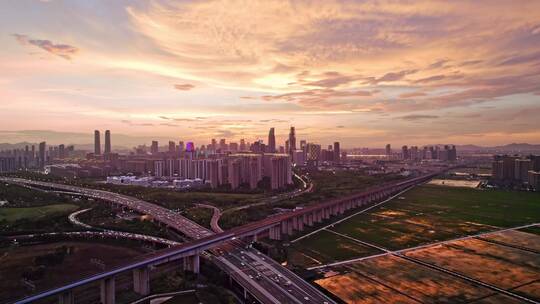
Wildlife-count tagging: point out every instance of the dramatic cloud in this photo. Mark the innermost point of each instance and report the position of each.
(63, 50)
(378, 67)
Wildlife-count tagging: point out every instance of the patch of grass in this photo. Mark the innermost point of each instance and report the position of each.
(434, 213)
(327, 247)
(18, 196)
(102, 216)
(11, 215)
(200, 215)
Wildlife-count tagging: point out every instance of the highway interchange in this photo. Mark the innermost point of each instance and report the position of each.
(265, 279)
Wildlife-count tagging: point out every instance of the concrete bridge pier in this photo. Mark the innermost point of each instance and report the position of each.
(108, 291)
(66, 298)
(141, 281)
(300, 221)
(284, 227)
(310, 219)
(290, 227)
(192, 263)
(275, 233)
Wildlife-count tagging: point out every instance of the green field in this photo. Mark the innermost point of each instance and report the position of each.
(11, 215)
(327, 247)
(424, 215)
(434, 213)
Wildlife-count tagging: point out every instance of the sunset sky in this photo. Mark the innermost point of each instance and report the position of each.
(365, 73)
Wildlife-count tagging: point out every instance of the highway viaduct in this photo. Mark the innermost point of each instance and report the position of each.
(274, 227)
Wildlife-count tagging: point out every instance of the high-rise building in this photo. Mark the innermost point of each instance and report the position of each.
(405, 152)
(534, 180)
(42, 154)
(61, 151)
(154, 148)
(242, 144)
(497, 169)
(388, 150)
(271, 141)
(97, 143)
(223, 145)
(521, 170)
(313, 154)
(108, 148)
(234, 173)
(172, 147)
(509, 167)
(413, 153)
(181, 147)
(292, 141)
(214, 144)
(535, 162)
(159, 168)
(337, 152)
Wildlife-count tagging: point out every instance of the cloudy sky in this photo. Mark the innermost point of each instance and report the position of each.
(362, 72)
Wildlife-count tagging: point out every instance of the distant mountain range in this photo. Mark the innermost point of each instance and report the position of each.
(513, 147)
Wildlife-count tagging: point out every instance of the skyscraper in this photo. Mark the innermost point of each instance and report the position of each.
(42, 154)
(97, 143)
(242, 144)
(61, 151)
(337, 152)
(292, 141)
(154, 149)
(107, 142)
(223, 145)
(388, 150)
(405, 152)
(172, 147)
(271, 141)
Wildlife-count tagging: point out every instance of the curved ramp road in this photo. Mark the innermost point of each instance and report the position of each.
(261, 289)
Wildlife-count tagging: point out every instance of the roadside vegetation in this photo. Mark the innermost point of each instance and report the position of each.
(327, 185)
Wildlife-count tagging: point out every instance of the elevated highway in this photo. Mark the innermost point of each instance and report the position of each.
(266, 281)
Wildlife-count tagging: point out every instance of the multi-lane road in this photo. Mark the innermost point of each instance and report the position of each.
(98, 234)
(262, 277)
(275, 282)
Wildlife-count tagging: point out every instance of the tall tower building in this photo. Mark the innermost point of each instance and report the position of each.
(108, 142)
(42, 154)
(292, 141)
(405, 152)
(61, 151)
(97, 143)
(388, 150)
(154, 148)
(242, 144)
(271, 141)
(172, 147)
(337, 152)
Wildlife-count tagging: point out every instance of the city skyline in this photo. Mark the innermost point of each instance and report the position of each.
(359, 73)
